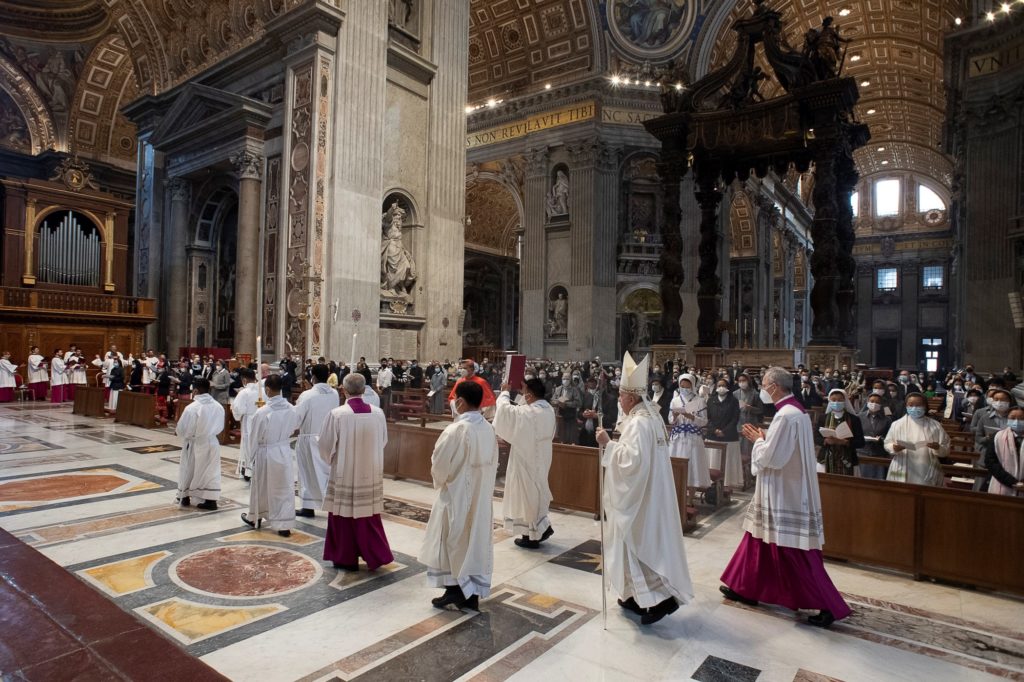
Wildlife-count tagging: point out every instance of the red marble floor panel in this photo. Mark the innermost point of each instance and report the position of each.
(61, 487)
(246, 571)
(54, 626)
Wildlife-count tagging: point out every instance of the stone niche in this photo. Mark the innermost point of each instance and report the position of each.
(400, 322)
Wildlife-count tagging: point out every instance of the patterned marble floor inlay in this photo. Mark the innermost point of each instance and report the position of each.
(225, 598)
(109, 437)
(715, 669)
(584, 557)
(14, 444)
(22, 493)
(152, 449)
(228, 466)
(19, 462)
(514, 626)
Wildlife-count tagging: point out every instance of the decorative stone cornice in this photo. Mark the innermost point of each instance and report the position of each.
(180, 189)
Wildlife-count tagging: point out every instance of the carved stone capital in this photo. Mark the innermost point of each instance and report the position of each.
(537, 161)
(247, 165)
(180, 189)
(584, 153)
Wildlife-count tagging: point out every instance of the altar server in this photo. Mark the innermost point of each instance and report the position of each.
(688, 415)
(201, 422)
(243, 408)
(7, 381)
(917, 443)
(311, 409)
(75, 362)
(779, 559)
(351, 445)
(58, 377)
(272, 495)
(38, 378)
(457, 548)
(530, 430)
(149, 363)
(644, 555)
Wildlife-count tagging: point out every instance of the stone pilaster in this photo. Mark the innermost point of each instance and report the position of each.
(909, 285)
(149, 233)
(442, 279)
(534, 258)
(249, 168)
(176, 330)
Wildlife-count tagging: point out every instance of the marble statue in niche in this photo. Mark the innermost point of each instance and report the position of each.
(558, 196)
(400, 12)
(558, 313)
(397, 267)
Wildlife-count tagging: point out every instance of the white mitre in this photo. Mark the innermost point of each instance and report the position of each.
(634, 376)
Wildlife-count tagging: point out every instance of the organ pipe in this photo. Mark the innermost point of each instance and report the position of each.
(69, 254)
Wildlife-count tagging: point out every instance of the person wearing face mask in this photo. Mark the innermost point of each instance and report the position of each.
(438, 380)
(467, 372)
(661, 398)
(973, 401)
(917, 443)
(688, 415)
(779, 559)
(874, 424)
(723, 420)
(385, 378)
(809, 396)
(457, 548)
(988, 420)
(566, 400)
(1004, 456)
(953, 404)
(590, 406)
(529, 429)
(646, 559)
(838, 455)
(751, 412)
(220, 383)
(896, 404)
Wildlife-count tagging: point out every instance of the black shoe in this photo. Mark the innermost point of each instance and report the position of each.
(548, 533)
(659, 611)
(345, 567)
(245, 478)
(254, 524)
(308, 513)
(527, 543)
(733, 596)
(208, 505)
(823, 619)
(631, 605)
(184, 502)
(284, 533)
(472, 603)
(452, 595)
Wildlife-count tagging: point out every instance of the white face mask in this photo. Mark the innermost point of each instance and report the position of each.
(744, 384)
(527, 376)
(463, 372)
(972, 399)
(1000, 405)
(565, 382)
(721, 390)
(874, 407)
(766, 397)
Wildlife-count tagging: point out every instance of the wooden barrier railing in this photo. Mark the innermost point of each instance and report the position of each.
(573, 476)
(16, 299)
(956, 535)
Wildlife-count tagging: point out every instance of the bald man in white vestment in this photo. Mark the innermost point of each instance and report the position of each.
(201, 422)
(457, 549)
(529, 429)
(312, 409)
(644, 553)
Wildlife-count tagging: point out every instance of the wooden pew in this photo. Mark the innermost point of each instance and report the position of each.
(408, 403)
(956, 535)
(89, 401)
(137, 409)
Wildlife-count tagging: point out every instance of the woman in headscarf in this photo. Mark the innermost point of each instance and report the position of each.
(917, 443)
(1004, 456)
(723, 419)
(838, 455)
(687, 418)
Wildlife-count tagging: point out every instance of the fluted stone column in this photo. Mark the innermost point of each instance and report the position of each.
(249, 168)
(149, 235)
(533, 282)
(788, 296)
(176, 330)
(709, 292)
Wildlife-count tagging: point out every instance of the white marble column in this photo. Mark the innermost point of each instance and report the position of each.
(149, 236)
(249, 168)
(176, 330)
(439, 292)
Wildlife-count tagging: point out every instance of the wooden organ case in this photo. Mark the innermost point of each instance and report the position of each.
(64, 268)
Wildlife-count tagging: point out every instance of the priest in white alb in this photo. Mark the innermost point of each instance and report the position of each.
(351, 444)
(272, 495)
(457, 549)
(529, 429)
(779, 559)
(201, 422)
(243, 409)
(644, 555)
(311, 409)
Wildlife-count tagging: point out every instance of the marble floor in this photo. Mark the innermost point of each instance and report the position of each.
(98, 499)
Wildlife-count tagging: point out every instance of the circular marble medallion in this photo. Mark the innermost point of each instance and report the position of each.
(245, 571)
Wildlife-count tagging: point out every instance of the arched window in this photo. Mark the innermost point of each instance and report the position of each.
(887, 197)
(928, 200)
(69, 250)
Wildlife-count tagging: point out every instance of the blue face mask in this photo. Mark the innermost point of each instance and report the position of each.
(1016, 425)
(915, 412)
(836, 407)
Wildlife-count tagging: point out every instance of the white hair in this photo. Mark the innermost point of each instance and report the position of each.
(780, 377)
(354, 383)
